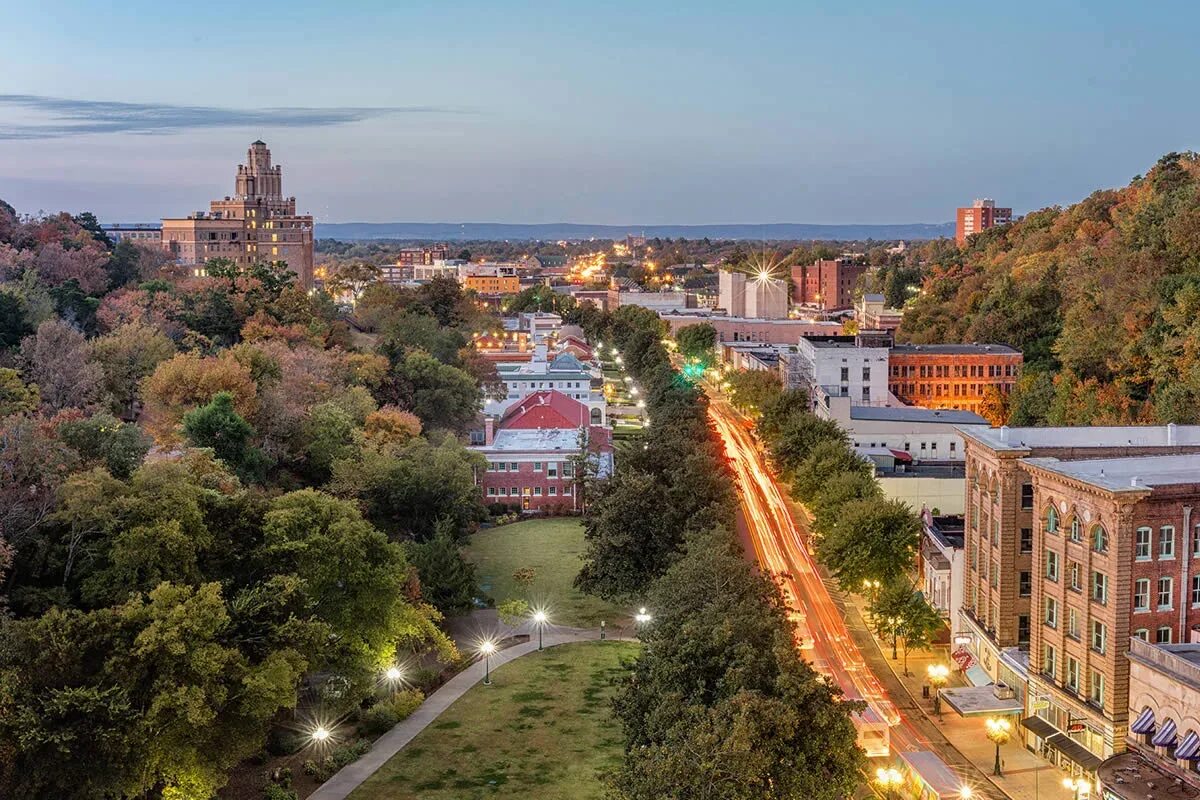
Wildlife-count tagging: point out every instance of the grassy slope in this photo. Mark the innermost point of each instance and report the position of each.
(542, 731)
(553, 548)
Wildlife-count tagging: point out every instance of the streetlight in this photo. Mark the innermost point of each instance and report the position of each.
(1078, 785)
(486, 649)
(999, 730)
(393, 674)
(539, 621)
(320, 734)
(888, 779)
(966, 793)
(642, 617)
(939, 675)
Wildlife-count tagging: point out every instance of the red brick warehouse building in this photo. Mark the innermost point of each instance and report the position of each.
(827, 283)
(954, 376)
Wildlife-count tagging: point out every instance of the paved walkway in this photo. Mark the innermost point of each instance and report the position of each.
(347, 779)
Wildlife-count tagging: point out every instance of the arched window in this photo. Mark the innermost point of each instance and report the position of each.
(595, 416)
(1076, 530)
(1099, 539)
(1052, 520)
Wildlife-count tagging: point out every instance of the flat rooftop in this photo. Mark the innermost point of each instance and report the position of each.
(535, 440)
(1132, 473)
(1006, 438)
(916, 414)
(955, 349)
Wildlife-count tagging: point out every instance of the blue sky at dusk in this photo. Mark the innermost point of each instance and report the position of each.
(601, 112)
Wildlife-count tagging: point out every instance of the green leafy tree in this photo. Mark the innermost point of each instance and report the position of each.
(838, 490)
(329, 435)
(751, 390)
(104, 440)
(218, 426)
(796, 438)
(871, 540)
(697, 343)
(14, 326)
(441, 395)
(447, 579)
(127, 356)
(902, 613)
(16, 397)
(826, 459)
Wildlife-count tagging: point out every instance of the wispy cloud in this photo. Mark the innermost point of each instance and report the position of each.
(56, 117)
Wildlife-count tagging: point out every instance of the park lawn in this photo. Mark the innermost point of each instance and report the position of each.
(544, 730)
(553, 549)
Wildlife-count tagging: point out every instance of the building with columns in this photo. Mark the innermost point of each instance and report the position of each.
(257, 224)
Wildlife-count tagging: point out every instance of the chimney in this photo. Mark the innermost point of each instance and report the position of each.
(489, 430)
(1170, 434)
(1135, 481)
(1004, 434)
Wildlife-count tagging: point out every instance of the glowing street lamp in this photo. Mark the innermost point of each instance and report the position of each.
(486, 649)
(641, 403)
(393, 674)
(320, 734)
(939, 675)
(539, 620)
(1082, 787)
(888, 779)
(998, 730)
(966, 793)
(642, 616)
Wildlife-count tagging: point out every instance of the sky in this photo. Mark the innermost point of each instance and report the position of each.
(861, 111)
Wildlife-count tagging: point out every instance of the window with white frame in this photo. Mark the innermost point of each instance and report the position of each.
(1141, 594)
(1099, 539)
(1072, 623)
(1097, 688)
(1099, 587)
(1166, 588)
(1166, 541)
(1052, 520)
(1051, 612)
(1076, 530)
(1143, 634)
(1052, 565)
(1141, 544)
(1049, 660)
(1195, 591)
(1163, 635)
(1072, 676)
(1099, 636)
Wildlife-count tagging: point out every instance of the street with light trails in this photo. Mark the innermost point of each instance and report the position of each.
(829, 645)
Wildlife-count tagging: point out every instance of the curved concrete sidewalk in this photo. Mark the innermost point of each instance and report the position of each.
(347, 779)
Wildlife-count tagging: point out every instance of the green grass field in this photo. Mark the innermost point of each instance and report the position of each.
(553, 549)
(542, 731)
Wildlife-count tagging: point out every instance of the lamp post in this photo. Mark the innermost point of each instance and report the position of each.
(966, 793)
(939, 675)
(1078, 785)
(894, 624)
(999, 730)
(641, 617)
(539, 621)
(487, 648)
(888, 779)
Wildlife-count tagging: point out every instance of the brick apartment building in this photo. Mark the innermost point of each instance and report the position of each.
(492, 284)
(951, 375)
(1013, 477)
(410, 256)
(256, 225)
(980, 216)
(827, 283)
(533, 449)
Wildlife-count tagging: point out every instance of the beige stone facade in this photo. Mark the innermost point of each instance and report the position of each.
(255, 225)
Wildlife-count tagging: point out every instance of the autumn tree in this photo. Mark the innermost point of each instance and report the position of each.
(58, 359)
(127, 356)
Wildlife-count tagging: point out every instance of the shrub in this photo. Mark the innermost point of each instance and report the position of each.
(274, 791)
(283, 742)
(325, 769)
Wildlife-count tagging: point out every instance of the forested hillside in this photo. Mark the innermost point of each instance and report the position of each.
(1102, 297)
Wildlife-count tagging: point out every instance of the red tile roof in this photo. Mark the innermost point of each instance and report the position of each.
(545, 409)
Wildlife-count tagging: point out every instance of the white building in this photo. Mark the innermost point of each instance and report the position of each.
(913, 433)
(941, 561)
(565, 374)
(845, 366)
(145, 233)
(539, 324)
(755, 298)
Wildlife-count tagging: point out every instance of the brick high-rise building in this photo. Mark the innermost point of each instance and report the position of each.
(256, 225)
(827, 283)
(979, 217)
(952, 375)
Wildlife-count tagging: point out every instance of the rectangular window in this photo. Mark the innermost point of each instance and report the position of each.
(1141, 594)
(1076, 530)
(537, 466)
(553, 491)
(1049, 659)
(1196, 542)
(1163, 635)
(1166, 541)
(1195, 591)
(1027, 497)
(1099, 636)
(1073, 623)
(1025, 584)
(1166, 588)
(1097, 688)
(1072, 677)
(1026, 540)
(537, 491)
(845, 374)
(1052, 565)
(1023, 629)
(1099, 587)
(1141, 547)
(1074, 570)
(513, 466)
(491, 491)
(516, 491)
(1051, 612)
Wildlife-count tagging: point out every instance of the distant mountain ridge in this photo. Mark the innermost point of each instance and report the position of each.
(552, 231)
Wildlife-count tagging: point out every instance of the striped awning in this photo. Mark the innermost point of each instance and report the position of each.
(1144, 723)
(1189, 748)
(1165, 736)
